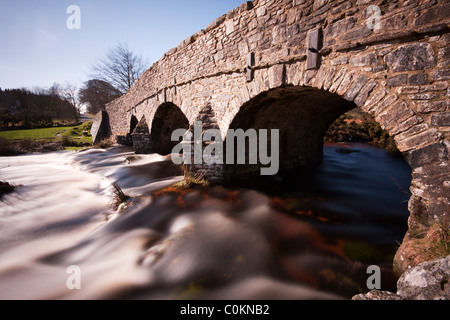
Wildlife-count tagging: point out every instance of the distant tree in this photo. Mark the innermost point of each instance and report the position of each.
(70, 94)
(96, 94)
(35, 108)
(42, 102)
(57, 102)
(120, 67)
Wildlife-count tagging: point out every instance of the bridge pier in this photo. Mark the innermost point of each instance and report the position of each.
(141, 139)
(101, 128)
(213, 172)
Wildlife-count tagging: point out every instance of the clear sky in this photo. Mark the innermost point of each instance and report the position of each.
(38, 49)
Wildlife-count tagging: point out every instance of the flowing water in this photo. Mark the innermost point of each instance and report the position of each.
(308, 235)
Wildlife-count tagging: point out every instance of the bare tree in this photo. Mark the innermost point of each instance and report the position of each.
(120, 67)
(69, 93)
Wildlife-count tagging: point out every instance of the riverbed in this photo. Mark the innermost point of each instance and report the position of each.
(309, 234)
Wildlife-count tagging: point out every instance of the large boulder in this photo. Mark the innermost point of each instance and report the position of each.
(427, 281)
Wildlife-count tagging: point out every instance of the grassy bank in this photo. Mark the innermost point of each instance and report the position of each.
(15, 142)
(48, 134)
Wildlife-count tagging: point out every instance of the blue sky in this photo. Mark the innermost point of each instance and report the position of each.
(37, 48)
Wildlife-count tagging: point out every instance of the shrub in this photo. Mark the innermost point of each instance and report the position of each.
(8, 148)
(6, 188)
(120, 197)
(191, 181)
(432, 244)
(105, 143)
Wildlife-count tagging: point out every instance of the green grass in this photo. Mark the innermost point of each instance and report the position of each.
(71, 138)
(33, 134)
(77, 137)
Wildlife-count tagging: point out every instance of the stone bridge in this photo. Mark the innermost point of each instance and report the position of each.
(297, 65)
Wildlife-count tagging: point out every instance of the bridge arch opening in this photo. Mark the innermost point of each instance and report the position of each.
(301, 114)
(133, 123)
(167, 119)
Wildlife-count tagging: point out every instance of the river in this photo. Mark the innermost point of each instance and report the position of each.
(304, 235)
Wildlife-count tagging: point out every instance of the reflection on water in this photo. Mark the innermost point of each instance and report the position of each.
(308, 235)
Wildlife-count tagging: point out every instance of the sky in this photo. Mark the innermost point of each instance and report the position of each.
(37, 49)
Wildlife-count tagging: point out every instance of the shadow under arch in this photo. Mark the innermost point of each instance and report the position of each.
(133, 123)
(167, 119)
(301, 114)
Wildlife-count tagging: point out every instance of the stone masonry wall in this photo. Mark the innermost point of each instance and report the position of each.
(141, 138)
(210, 65)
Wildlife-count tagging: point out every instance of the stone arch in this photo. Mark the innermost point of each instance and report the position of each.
(337, 83)
(391, 110)
(168, 118)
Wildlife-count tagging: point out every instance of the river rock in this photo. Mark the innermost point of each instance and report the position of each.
(427, 281)
(377, 295)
